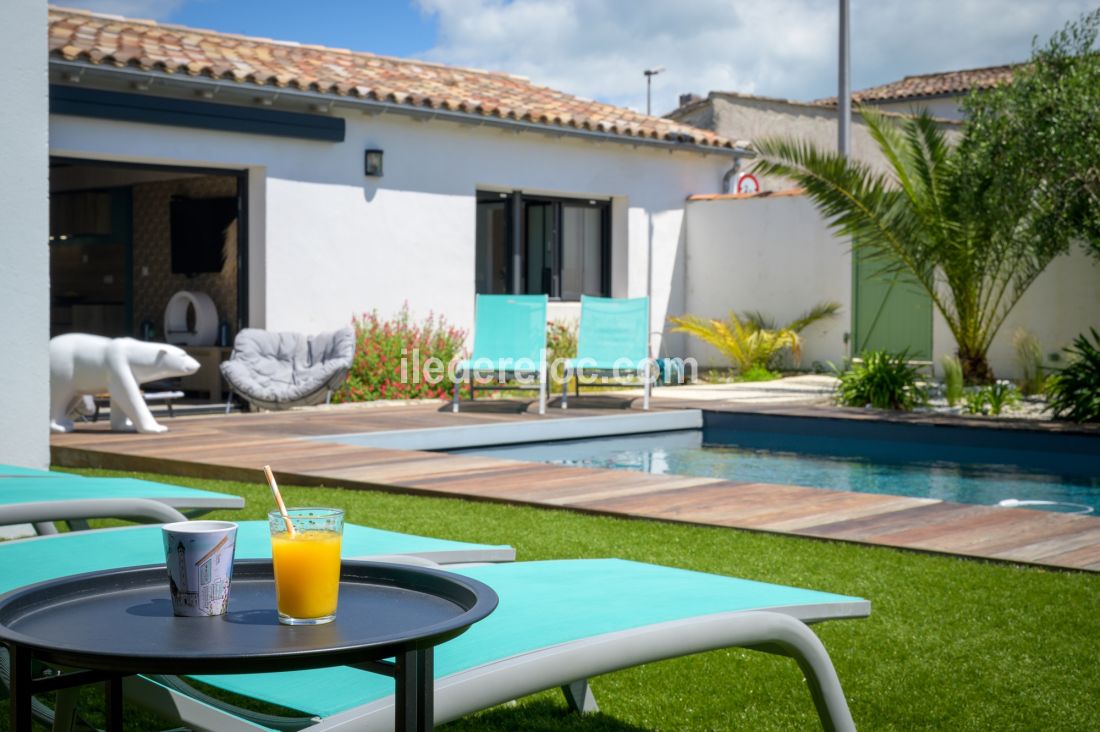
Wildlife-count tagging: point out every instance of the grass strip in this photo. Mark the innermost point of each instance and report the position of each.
(951, 643)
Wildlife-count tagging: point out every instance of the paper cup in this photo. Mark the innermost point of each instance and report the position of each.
(199, 555)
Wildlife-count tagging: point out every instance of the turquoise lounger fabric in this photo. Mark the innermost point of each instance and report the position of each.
(614, 332)
(15, 470)
(507, 329)
(61, 487)
(542, 604)
(26, 561)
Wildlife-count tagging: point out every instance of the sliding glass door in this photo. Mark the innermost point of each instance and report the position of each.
(539, 249)
(493, 255)
(582, 251)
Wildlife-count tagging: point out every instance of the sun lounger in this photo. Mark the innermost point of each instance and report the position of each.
(25, 561)
(613, 338)
(558, 624)
(509, 341)
(42, 499)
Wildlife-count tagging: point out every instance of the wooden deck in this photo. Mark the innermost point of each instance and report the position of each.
(235, 446)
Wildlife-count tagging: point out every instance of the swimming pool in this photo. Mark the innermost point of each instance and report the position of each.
(982, 467)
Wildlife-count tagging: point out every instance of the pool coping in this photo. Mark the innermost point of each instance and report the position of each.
(491, 435)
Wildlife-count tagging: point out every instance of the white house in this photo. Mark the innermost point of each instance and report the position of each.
(488, 183)
(350, 182)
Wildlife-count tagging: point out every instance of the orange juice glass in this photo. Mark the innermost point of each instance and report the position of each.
(307, 564)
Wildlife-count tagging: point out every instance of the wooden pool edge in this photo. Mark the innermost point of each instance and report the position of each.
(233, 449)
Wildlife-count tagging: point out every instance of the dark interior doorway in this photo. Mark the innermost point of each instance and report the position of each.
(125, 238)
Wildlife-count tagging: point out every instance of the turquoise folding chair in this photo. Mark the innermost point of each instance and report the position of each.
(43, 498)
(509, 341)
(613, 339)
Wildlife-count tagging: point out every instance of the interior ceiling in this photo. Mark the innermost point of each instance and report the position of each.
(67, 175)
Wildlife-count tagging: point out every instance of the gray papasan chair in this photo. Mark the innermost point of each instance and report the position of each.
(282, 370)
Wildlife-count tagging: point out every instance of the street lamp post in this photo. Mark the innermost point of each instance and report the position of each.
(649, 74)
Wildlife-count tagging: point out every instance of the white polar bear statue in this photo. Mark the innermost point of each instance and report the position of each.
(82, 364)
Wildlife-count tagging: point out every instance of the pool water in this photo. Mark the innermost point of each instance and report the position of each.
(685, 453)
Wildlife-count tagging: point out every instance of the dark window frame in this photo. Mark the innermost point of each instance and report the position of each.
(515, 212)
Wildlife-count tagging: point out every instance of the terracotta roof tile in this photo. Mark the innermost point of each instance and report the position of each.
(108, 40)
(931, 85)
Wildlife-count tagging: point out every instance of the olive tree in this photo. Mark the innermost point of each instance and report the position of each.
(1032, 147)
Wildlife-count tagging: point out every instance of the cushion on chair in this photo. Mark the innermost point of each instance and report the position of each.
(279, 370)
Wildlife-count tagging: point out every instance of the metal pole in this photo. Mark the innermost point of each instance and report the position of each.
(649, 74)
(844, 91)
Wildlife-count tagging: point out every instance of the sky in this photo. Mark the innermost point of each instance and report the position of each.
(598, 49)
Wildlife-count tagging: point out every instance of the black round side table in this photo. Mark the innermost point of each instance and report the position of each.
(116, 623)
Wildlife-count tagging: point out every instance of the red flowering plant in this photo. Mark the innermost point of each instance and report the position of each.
(398, 358)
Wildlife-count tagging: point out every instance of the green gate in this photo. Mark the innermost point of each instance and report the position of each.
(890, 311)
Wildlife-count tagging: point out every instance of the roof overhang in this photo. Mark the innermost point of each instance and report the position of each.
(174, 85)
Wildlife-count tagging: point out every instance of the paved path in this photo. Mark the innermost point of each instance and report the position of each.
(810, 389)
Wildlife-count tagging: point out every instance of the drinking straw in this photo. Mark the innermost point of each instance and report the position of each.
(279, 499)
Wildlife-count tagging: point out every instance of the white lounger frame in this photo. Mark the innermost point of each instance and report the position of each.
(43, 513)
(471, 375)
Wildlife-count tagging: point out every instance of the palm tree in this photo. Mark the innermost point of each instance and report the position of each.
(928, 217)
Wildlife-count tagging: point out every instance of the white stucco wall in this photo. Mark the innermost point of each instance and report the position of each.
(1063, 302)
(771, 254)
(942, 107)
(326, 242)
(775, 254)
(25, 274)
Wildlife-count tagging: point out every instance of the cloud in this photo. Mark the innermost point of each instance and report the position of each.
(144, 9)
(785, 48)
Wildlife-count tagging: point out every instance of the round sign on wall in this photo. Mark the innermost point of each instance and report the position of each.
(747, 183)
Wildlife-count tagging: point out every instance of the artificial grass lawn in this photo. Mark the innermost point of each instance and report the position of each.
(951, 643)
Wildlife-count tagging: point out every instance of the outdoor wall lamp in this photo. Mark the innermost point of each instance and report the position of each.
(373, 163)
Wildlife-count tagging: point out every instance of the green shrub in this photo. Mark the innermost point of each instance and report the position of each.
(759, 373)
(561, 343)
(1074, 391)
(952, 380)
(883, 380)
(1000, 395)
(1029, 356)
(974, 401)
(389, 352)
(992, 399)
